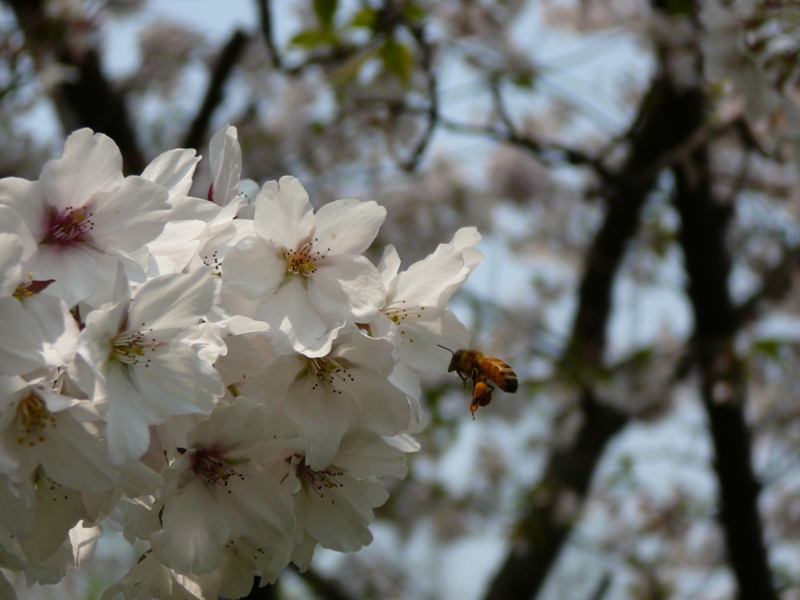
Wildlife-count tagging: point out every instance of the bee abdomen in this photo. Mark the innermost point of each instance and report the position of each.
(510, 382)
(503, 375)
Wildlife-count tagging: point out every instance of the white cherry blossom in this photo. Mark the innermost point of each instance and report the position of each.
(328, 395)
(36, 330)
(415, 316)
(40, 427)
(334, 505)
(243, 377)
(135, 365)
(87, 218)
(306, 269)
(219, 490)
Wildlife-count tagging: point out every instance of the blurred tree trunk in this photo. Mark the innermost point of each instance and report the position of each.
(84, 97)
(670, 114)
(704, 221)
(540, 534)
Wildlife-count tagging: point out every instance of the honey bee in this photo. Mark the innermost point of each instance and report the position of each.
(483, 371)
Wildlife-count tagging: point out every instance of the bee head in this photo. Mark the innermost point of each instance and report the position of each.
(454, 361)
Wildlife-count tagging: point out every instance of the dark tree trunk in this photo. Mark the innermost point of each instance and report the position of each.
(661, 128)
(88, 99)
(704, 221)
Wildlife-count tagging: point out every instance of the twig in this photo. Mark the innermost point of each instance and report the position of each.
(775, 285)
(500, 105)
(549, 152)
(268, 592)
(322, 586)
(222, 70)
(265, 19)
(426, 59)
(602, 587)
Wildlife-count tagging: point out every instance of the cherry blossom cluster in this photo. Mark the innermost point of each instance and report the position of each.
(226, 380)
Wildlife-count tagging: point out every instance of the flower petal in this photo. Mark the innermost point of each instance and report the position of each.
(364, 454)
(388, 267)
(348, 226)
(90, 163)
(254, 268)
(173, 170)
(338, 518)
(176, 382)
(53, 317)
(173, 302)
(27, 199)
(291, 312)
(431, 281)
(127, 434)
(225, 156)
(283, 213)
(21, 347)
(76, 459)
(193, 534)
(231, 427)
(82, 273)
(347, 288)
(130, 216)
(17, 250)
(324, 417)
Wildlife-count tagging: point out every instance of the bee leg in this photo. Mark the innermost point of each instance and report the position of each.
(473, 407)
(463, 380)
(487, 396)
(481, 396)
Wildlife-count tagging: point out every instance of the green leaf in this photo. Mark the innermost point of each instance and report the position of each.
(523, 79)
(364, 18)
(768, 347)
(413, 12)
(349, 69)
(311, 38)
(325, 10)
(397, 59)
(678, 7)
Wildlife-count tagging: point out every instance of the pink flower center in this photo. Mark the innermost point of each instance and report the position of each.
(31, 286)
(69, 226)
(329, 373)
(32, 419)
(212, 469)
(132, 347)
(303, 261)
(319, 481)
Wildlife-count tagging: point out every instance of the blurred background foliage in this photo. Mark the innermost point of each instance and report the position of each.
(633, 167)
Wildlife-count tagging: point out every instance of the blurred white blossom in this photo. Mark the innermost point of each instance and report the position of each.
(225, 386)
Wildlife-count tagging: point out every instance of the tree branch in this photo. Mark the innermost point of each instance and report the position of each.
(541, 533)
(775, 284)
(88, 99)
(426, 59)
(265, 20)
(226, 62)
(268, 592)
(322, 586)
(549, 152)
